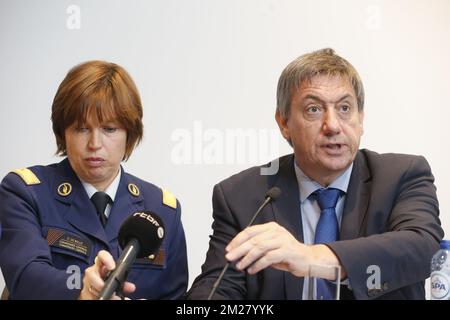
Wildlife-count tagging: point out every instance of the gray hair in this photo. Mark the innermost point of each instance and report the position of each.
(306, 67)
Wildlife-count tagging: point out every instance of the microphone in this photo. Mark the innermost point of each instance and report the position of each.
(271, 195)
(139, 236)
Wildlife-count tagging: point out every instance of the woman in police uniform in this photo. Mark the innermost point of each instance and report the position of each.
(53, 226)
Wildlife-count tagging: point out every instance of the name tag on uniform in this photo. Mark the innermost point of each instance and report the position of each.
(156, 260)
(65, 240)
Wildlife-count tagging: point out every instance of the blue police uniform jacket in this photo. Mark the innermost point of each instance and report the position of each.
(51, 233)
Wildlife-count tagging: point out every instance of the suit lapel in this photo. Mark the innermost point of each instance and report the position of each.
(287, 213)
(287, 208)
(124, 204)
(357, 199)
(80, 212)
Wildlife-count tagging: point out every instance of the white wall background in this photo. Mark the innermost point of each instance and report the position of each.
(206, 68)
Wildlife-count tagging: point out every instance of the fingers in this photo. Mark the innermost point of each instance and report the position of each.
(266, 245)
(93, 280)
(92, 283)
(93, 276)
(271, 258)
(254, 248)
(128, 288)
(247, 234)
(104, 262)
(254, 243)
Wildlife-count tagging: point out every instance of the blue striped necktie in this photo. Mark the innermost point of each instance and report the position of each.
(327, 230)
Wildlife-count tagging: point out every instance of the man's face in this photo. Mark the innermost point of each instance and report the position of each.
(95, 151)
(324, 127)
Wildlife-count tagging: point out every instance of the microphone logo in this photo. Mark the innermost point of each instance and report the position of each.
(148, 217)
(160, 232)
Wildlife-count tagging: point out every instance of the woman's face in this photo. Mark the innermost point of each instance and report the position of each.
(95, 151)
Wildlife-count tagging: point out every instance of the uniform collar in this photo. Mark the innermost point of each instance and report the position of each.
(125, 204)
(80, 212)
(110, 191)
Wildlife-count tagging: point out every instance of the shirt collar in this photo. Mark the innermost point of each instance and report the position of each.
(111, 190)
(307, 186)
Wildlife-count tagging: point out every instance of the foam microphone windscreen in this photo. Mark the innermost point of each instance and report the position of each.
(273, 193)
(145, 226)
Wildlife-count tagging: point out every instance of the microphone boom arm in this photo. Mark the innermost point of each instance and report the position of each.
(225, 268)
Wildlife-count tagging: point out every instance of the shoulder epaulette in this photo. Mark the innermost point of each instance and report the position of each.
(27, 176)
(169, 199)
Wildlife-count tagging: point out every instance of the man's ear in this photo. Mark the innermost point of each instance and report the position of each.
(282, 124)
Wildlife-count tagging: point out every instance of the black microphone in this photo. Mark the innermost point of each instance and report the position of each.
(139, 236)
(271, 195)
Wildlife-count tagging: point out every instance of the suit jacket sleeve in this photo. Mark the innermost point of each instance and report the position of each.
(24, 270)
(411, 235)
(233, 285)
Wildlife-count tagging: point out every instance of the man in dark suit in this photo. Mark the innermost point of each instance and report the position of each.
(373, 215)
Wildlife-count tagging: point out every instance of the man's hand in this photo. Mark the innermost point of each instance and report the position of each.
(93, 280)
(260, 246)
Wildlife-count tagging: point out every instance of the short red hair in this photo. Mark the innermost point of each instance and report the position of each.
(100, 89)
